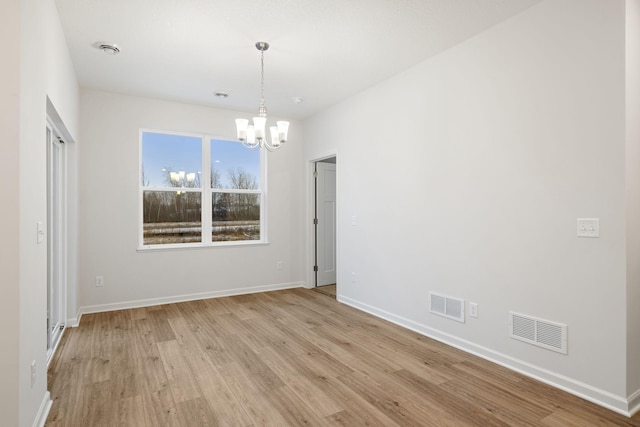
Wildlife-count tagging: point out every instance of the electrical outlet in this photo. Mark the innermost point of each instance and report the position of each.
(33, 373)
(99, 281)
(473, 309)
(354, 277)
(279, 265)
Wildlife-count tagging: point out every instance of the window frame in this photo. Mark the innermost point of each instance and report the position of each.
(206, 198)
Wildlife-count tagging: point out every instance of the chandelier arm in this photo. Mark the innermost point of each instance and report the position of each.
(250, 146)
(270, 147)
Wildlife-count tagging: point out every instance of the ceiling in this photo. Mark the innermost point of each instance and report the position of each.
(321, 50)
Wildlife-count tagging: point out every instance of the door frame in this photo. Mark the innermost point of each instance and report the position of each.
(55, 138)
(325, 223)
(310, 214)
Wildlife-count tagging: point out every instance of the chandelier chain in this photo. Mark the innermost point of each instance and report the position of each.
(262, 76)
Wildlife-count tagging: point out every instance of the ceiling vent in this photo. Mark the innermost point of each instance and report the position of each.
(107, 47)
(545, 334)
(451, 308)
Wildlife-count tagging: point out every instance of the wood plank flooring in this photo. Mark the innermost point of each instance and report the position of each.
(293, 357)
(329, 290)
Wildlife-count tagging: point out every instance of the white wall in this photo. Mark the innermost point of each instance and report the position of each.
(10, 213)
(25, 86)
(62, 86)
(633, 197)
(33, 256)
(467, 173)
(109, 210)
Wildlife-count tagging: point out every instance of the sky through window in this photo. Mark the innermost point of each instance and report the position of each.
(162, 153)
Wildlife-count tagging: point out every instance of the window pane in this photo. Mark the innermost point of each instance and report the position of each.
(233, 166)
(171, 160)
(172, 217)
(235, 217)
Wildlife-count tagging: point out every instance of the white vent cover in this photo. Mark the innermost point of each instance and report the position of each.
(545, 334)
(452, 308)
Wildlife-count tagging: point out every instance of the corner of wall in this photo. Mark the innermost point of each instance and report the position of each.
(632, 153)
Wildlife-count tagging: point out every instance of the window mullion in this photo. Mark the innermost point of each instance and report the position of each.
(206, 190)
(263, 196)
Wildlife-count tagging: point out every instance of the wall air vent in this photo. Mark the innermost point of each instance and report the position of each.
(545, 334)
(451, 308)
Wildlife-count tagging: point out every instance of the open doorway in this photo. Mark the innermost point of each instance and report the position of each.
(325, 226)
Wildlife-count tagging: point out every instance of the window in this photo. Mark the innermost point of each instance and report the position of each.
(197, 190)
(235, 187)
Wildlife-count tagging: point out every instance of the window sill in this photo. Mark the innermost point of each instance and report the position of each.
(191, 246)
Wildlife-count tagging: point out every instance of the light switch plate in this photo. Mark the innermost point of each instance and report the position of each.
(588, 227)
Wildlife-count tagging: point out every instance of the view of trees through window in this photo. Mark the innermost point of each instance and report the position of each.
(179, 195)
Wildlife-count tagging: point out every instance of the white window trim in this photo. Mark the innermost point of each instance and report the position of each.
(206, 199)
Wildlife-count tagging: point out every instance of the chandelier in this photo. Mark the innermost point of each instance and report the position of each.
(254, 135)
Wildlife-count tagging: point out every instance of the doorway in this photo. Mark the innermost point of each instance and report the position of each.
(56, 241)
(325, 225)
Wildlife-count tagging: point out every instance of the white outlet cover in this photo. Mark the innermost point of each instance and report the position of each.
(473, 309)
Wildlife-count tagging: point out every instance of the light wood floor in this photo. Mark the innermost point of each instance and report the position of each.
(329, 290)
(283, 358)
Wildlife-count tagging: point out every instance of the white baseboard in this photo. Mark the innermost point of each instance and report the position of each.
(593, 394)
(43, 411)
(179, 298)
(634, 403)
(74, 322)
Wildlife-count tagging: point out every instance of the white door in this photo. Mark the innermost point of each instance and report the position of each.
(326, 228)
(56, 245)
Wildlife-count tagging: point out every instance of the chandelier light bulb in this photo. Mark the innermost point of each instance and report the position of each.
(283, 130)
(241, 125)
(259, 124)
(251, 136)
(275, 140)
